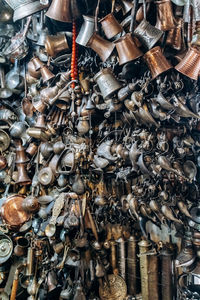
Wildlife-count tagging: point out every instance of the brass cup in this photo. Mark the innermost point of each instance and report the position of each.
(55, 44)
(110, 26)
(156, 62)
(190, 64)
(101, 46)
(127, 49)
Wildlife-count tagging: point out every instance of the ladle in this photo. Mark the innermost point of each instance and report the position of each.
(13, 78)
(18, 47)
(4, 91)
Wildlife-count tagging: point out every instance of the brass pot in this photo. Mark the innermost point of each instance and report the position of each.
(54, 44)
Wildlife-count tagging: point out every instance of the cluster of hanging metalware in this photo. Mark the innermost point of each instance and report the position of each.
(100, 149)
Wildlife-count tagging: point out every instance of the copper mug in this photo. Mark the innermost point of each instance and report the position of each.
(156, 62)
(147, 34)
(86, 31)
(110, 26)
(54, 44)
(127, 49)
(190, 64)
(101, 46)
(165, 18)
(107, 82)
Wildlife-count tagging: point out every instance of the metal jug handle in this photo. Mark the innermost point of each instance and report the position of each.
(26, 26)
(96, 16)
(113, 6)
(133, 15)
(144, 9)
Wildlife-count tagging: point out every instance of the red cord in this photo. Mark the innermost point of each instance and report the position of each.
(74, 60)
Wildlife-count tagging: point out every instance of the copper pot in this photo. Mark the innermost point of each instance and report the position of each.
(54, 44)
(12, 211)
(63, 10)
(101, 46)
(127, 49)
(165, 18)
(110, 26)
(190, 64)
(156, 62)
(175, 37)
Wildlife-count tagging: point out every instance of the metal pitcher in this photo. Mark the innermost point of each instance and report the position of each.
(86, 31)
(107, 82)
